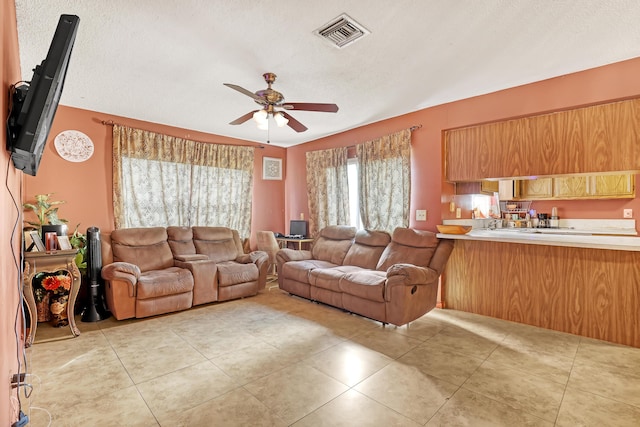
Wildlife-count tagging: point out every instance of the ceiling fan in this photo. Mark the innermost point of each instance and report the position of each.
(270, 100)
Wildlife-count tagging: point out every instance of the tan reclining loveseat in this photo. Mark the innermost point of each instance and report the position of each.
(389, 278)
(157, 270)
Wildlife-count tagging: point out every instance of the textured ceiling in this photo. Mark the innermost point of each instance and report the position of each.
(166, 61)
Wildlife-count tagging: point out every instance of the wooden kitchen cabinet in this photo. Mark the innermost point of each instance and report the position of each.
(489, 187)
(571, 187)
(614, 186)
(536, 189)
(590, 140)
(578, 187)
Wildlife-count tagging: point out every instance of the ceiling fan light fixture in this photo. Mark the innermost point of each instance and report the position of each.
(261, 116)
(263, 125)
(280, 119)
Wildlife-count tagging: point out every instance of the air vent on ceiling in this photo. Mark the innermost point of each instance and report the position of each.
(341, 31)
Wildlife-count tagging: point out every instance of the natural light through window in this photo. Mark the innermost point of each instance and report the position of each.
(354, 206)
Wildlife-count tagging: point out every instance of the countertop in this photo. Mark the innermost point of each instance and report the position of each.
(572, 238)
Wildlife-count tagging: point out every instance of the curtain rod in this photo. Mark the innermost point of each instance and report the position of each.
(111, 123)
(411, 129)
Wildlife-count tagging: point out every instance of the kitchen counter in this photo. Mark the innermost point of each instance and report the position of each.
(616, 234)
(570, 238)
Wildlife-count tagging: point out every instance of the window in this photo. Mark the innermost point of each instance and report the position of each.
(354, 203)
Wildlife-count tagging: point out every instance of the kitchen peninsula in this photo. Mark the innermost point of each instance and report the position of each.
(581, 283)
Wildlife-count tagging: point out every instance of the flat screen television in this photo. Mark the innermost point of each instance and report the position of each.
(298, 227)
(34, 105)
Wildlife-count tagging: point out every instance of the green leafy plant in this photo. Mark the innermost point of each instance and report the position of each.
(46, 210)
(79, 241)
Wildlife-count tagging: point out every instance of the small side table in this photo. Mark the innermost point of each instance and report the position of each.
(50, 262)
(284, 242)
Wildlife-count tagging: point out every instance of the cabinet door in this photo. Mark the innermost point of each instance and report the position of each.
(571, 187)
(614, 186)
(536, 189)
(489, 187)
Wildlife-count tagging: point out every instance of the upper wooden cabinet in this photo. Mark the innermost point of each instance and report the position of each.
(578, 187)
(595, 139)
(533, 189)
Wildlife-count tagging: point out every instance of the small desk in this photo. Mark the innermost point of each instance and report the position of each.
(50, 262)
(284, 242)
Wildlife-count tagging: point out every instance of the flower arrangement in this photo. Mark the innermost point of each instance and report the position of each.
(59, 284)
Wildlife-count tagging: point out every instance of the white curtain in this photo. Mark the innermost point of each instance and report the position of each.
(328, 187)
(160, 180)
(384, 182)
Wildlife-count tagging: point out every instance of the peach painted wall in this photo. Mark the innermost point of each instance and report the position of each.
(11, 340)
(429, 189)
(86, 187)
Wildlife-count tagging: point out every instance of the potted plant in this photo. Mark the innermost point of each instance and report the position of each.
(46, 210)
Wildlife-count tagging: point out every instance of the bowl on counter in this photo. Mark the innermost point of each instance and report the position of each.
(454, 229)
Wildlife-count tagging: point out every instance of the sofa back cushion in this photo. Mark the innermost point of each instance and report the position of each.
(408, 246)
(333, 243)
(218, 243)
(147, 248)
(367, 247)
(181, 240)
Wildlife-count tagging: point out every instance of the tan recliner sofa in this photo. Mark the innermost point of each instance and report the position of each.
(157, 270)
(389, 278)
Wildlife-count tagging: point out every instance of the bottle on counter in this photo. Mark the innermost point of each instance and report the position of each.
(554, 222)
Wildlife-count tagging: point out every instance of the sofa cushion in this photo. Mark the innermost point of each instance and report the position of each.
(367, 284)
(231, 273)
(145, 247)
(408, 246)
(159, 283)
(329, 278)
(367, 248)
(217, 243)
(299, 270)
(181, 240)
(333, 243)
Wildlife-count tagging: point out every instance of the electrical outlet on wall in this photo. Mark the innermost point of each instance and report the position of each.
(421, 215)
(627, 213)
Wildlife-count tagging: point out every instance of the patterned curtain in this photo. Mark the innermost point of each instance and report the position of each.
(161, 180)
(384, 182)
(328, 187)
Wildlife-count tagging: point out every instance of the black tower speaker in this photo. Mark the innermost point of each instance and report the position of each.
(94, 309)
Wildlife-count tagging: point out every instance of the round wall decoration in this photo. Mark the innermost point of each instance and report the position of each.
(73, 145)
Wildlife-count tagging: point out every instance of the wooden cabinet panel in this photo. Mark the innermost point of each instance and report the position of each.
(613, 186)
(588, 292)
(532, 189)
(489, 187)
(571, 187)
(600, 138)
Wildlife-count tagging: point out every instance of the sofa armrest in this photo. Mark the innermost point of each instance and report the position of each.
(243, 259)
(286, 255)
(190, 257)
(410, 275)
(121, 271)
(258, 257)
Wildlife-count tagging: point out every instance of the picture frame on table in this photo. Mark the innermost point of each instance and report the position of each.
(38, 244)
(272, 168)
(63, 243)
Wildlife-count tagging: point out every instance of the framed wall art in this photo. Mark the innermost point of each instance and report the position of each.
(271, 168)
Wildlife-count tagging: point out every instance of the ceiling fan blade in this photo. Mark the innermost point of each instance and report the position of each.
(309, 106)
(246, 92)
(293, 123)
(242, 119)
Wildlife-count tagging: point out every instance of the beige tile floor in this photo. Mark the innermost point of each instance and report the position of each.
(276, 360)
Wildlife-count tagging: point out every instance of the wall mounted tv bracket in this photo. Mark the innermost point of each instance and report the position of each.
(14, 122)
